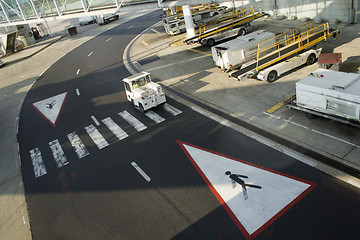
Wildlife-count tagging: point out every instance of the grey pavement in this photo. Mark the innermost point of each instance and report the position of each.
(190, 71)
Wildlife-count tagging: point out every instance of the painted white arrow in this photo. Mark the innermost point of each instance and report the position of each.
(50, 108)
(253, 196)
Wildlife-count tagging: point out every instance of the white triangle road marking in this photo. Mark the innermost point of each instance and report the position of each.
(252, 195)
(50, 108)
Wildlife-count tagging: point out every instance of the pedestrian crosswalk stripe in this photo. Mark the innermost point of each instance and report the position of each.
(58, 153)
(139, 126)
(173, 110)
(154, 116)
(97, 138)
(95, 135)
(78, 145)
(115, 129)
(37, 162)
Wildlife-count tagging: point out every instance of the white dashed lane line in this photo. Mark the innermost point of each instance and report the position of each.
(142, 173)
(95, 120)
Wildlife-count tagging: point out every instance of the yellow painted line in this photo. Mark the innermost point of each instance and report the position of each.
(143, 42)
(276, 107)
(207, 54)
(155, 31)
(279, 105)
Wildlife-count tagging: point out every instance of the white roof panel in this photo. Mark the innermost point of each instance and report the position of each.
(332, 83)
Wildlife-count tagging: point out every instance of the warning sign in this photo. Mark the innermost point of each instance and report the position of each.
(50, 108)
(252, 195)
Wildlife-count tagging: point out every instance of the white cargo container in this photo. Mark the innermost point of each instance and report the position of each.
(331, 93)
(232, 54)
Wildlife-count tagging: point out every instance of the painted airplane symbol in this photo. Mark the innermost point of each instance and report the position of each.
(236, 178)
(50, 105)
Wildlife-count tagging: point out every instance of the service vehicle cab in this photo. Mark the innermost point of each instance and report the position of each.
(142, 92)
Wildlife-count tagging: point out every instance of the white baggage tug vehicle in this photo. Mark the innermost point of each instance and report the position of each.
(142, 92)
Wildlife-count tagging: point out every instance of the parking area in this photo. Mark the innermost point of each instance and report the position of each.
(190, 70)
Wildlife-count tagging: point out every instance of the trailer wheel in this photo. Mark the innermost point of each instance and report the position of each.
(310, 115)
(241, 32)
(210, 42)
(272, 76)
(311, 59)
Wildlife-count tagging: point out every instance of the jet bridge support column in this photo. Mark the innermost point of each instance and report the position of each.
(189, 24)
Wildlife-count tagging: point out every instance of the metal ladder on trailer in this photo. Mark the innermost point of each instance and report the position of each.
(225, 22)
(287, 44)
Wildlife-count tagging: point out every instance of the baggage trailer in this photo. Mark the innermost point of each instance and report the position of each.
(175, 23)
(330, 94)
(272, 73)
(287, 45)
(230, 55)
(236, 21)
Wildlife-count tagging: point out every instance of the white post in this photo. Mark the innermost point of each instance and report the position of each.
(189, 24)
(57, 8)
(84, 6)
(33, 6)
(22, 14)
(5, 14)
(44, 18)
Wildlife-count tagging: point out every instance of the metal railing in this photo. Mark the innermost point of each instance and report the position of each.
(290, 42)
(229, 21)
(16, 10)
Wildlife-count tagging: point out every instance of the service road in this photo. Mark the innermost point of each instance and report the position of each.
(96, 168)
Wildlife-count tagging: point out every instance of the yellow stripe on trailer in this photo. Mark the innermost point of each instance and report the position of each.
(237, 17)
(290, 43)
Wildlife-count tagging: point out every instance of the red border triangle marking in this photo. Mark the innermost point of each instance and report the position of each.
(229, 207)
(51, 107)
